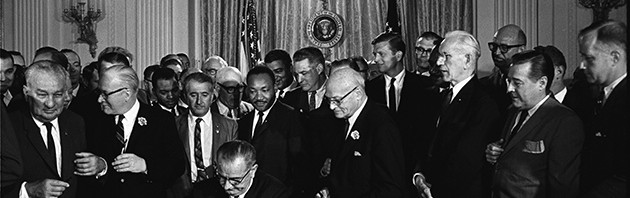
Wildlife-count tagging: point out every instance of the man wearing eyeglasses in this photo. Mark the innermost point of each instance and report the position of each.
(507, 41)
(238, 176)
(202, 132)
(424, 45)
(230, 87)
(212, 65)
(139, 143)
(370, 162)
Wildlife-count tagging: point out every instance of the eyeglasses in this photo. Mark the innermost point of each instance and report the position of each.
(235, 181)
(210, 71)
(105, 95)
(503, 47)
(424, 51)
(230, 90)
(337, 102)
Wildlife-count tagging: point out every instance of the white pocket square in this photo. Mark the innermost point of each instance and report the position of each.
(534, 147)
(357, 154)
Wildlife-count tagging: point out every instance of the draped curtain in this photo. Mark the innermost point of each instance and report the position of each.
(282, 24)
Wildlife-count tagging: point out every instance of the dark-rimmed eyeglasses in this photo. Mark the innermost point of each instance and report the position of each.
(232, 89)
(105, 94)
(503, 47)
(234, 181)
(337, 102)
(424, 51)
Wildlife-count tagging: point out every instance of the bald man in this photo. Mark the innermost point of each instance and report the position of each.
(370, 162)
(230, 86)
(507, 41)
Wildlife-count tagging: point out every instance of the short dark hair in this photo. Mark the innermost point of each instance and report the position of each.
(149, 70)
(343, 62)
(163, 73)
(541, 65)
(68, 51)
(172, 62)
(261, 70)
(232, 150)
(16, 53)
(360, 60)
(45, 49)
(86, 74)
(394, 40)
(197, 77)
(608, 32)
(117, 49)
(4, 54)
(60, 58)
(430, 35)
(282, 56)
(113, 57)
(554, 54)
(167, 60)
(313, 55)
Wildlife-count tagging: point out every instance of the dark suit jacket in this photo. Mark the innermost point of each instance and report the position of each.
(36, 160)
(18, 102)
(278, 143)
(298, 99)
(371, 165)
(223, 129)
(456, 159)
(542, 159)
(416, 115)
(263, 186)
(605, 155)
(156, 142)
(10, 157)
(497, 88)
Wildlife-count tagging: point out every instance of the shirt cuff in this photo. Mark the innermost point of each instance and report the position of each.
(23, 192)
(104, 170)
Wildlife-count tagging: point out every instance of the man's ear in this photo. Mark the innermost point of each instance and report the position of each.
(25, 90)
(616, 56)
(542, 82)
(319, 68)
(558, 71)
(398, 55)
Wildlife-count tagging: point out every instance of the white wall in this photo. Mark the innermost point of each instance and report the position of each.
(545, 22)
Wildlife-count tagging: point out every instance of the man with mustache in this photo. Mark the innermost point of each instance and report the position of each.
(230, 87)
(507, 41)
(273, 128)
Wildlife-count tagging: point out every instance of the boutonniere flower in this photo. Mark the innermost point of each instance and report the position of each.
(142, 121)
(355, 135)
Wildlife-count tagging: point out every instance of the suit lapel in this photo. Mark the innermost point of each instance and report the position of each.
(216, 135)
(138, 131)
(537, 119)
(615, 96)
(269, 119)
(350, 144)
(245, 127)
(380, 90)
(303, 101)
(67, 148)
(182, 127)
(36, 140)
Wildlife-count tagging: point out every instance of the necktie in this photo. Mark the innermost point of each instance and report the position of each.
(392, 95)
(280, 94)
(174, 112)
(51, 144)
(120, 131)
(259, 123)
(198, 152)
(521, 119)
(346, 127)
(311, 101)
(229, 114)
(446, 100)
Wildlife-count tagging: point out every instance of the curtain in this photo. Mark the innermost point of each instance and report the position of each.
(282, 24)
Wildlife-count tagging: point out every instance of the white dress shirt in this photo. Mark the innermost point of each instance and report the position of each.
(206, 142)
(319, 95)
(560, 95)
(400, 78)
(129, 121)
(608, 89)
(56, 137)
(7, 98)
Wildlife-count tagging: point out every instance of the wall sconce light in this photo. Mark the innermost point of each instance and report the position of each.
(74, 11)
(602, 8)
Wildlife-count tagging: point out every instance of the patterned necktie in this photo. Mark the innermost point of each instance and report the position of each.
(198, 152)
(392, 95)
(120, 131)
(311, 101)
(521, 119)
(51, 144)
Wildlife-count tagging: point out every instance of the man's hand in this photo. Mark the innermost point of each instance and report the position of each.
(424, 188)
(493, 150)
(88, 164)
(129, 162)
(46, 188)
(323, 193)
(325, 170)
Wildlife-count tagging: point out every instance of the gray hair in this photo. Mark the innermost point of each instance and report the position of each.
(125, 74)
(49, 67)
(215, 58)
(232, 150)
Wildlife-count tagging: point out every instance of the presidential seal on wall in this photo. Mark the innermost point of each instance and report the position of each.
(324, 29)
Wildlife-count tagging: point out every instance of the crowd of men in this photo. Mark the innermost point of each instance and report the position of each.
(297, 126)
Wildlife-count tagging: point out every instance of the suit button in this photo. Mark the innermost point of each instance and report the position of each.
(122, 180)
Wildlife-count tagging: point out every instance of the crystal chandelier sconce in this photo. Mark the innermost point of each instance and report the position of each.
(85, 13)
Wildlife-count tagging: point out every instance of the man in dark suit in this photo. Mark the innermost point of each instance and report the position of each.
(11, 169)
(468, 120)
(230, 86)
(273, 128)
(507, 41)
(308, 67)
(74, 69)
(202, 132)
(538, 154)
(140, 143)
(605, 163)
(13, 100)
(407, 95)
(238, 176)
(51, 140)
(166, 89)
(279, 61)
(370, 161)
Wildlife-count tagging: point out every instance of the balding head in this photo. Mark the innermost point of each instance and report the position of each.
(346, 90)
(212, 65)
(507, 41)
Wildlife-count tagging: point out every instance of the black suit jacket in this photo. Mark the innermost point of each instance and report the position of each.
(263, 186)
(278, 143)
(605, 155)
(37, 163)
(542, 159)
(156, 142)
(298, 99)
(370, 165)
(10, 157)
(416, 115)
(456, 159)
(497, 88)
